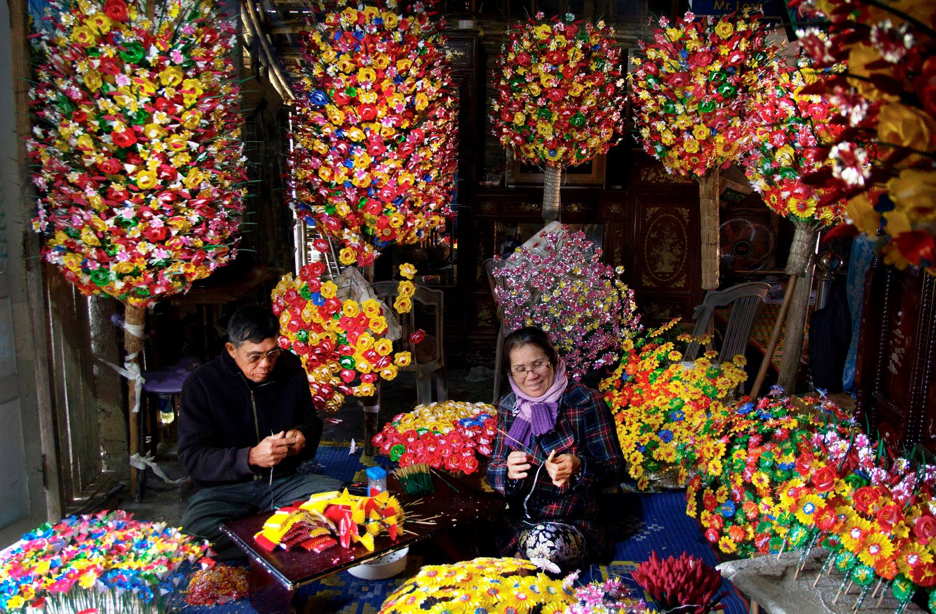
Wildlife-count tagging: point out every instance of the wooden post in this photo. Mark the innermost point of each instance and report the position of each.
(134, 322)
(774, 337)
(709, 219)
(802, 261)
(551, 197)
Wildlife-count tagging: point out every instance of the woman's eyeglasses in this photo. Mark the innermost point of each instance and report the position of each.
(539, 366)
(271, 355)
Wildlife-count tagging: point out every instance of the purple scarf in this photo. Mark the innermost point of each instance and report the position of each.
(536, 415)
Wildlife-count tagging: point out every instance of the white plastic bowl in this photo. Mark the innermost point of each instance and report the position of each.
(382, 567)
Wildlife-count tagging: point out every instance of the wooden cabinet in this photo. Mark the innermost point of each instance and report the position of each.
(896, 369)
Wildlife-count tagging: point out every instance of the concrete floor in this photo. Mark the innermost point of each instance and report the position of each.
(166, 502)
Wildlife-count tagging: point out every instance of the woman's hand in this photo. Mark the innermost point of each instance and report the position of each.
(562, 467)
(518, 463)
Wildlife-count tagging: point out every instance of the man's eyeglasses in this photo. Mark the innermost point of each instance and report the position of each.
(258, 356)
(539, 366)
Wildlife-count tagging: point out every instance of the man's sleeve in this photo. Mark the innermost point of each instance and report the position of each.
(307, 419)
(199, 453)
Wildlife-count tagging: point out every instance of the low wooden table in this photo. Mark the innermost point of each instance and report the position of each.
(276, 576)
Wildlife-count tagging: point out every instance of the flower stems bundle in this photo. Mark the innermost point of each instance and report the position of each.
(416, 479)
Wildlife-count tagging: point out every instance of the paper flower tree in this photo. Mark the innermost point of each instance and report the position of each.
(136, 145)
(692, 86)
(136, 140)
(374, 125)
(563, 287)
(790, 131)
(559, 95)
(885, 160)
(342, 343)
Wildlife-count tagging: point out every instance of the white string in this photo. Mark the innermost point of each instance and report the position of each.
(142, 462)
(131, 371)
(372, 409)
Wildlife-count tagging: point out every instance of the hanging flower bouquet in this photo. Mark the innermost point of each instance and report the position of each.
(661, 405)
(565, 289)
(374, 151)
(449, 435)
(340, 343)
(559, 96)
(136, 137)
(789, 130)
(491, 584)
(884, 162)
(691, 87)
(120, 565)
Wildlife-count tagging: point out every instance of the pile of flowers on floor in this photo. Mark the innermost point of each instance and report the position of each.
(106, 560)
(774, 473)
(506, 585)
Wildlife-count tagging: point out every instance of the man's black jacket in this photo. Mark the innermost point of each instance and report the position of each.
(223, 415)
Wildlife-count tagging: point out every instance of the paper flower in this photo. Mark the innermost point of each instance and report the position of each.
(884, 162)
(105, 560)
(342, 343)
(563, 287)
(559, 92)
(135, 136)
(691, 89)
(374, 149)
(449, 435)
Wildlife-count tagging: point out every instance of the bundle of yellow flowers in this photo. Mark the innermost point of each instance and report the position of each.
(662, 404)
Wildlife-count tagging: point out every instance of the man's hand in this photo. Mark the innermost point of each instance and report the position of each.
(269, 452)
(562, 467)
(518, 463)
(296, 441)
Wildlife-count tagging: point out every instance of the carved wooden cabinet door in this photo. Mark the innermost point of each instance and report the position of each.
(897, 355)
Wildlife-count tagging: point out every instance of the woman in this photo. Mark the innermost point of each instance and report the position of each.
(556, 446)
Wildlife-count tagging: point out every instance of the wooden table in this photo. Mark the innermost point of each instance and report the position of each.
(276, 576)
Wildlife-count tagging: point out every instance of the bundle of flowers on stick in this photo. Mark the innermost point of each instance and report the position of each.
(562, 286)
(662, 406)
(343, 344)
(373, 127)
(106, 561)
(683, 583)
(450, 435)
(608, 597)
(884, 162)
(789, 133)
(748, 453)
(691, 89)
(871, 510)
(560, 94)
(136, 138)
(490, 584)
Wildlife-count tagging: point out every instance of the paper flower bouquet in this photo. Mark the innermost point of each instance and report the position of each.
(343, 344)
(562, 286)
(450, 435)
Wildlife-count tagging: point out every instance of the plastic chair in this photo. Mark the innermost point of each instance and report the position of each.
(747, 300)
(434, 365)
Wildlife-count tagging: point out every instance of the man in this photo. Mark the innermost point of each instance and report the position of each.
(246, 424)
